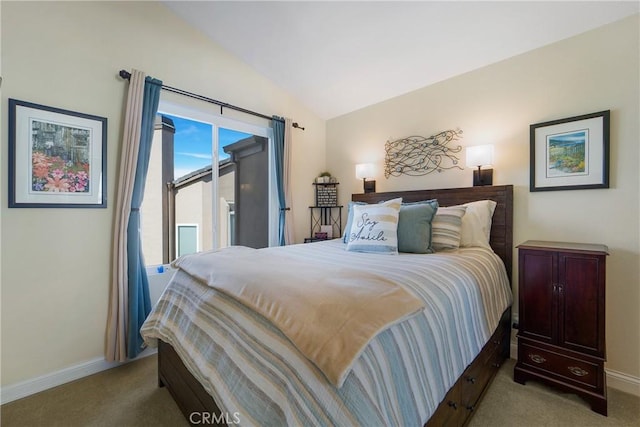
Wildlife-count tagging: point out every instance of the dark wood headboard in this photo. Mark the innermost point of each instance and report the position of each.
(501, 227)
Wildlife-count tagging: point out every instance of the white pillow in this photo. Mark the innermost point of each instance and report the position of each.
(476, 224)
(375, 228)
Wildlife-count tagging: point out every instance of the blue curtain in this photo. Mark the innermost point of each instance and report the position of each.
(139, 300)
(278, 149)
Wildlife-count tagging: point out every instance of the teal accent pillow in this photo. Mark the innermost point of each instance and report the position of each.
(414, 227)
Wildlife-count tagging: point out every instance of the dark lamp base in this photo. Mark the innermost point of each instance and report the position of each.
(482, 177)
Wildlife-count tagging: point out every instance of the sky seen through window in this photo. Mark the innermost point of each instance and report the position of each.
(193, 144)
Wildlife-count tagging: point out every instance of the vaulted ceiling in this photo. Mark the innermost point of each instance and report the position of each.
(337, 57)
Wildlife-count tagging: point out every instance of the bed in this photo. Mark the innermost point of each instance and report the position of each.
(226, 364)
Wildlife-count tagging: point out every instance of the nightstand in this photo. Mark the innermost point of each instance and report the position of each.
(561, 336)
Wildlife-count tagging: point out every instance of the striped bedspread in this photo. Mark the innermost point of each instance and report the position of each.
(252, 370)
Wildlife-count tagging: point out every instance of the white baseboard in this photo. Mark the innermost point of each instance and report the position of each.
(623, 382)
(618, 380)
(63, 376)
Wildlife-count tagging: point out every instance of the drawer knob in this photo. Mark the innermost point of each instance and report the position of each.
(452, 404)
(578, 372)
(537, 358)
(471, 380)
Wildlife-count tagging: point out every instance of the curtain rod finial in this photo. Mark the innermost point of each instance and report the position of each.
(297, 126)
(125, 74)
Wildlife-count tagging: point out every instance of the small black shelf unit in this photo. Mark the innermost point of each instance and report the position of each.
(326, 211)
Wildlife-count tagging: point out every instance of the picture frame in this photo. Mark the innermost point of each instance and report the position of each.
(571, 153)
(57, 158)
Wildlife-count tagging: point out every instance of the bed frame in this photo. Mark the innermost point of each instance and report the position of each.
(462, 399)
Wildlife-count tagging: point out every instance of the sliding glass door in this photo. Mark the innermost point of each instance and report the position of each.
(221, 189)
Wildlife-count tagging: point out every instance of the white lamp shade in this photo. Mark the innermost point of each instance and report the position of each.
(480, 155)
(365, 170)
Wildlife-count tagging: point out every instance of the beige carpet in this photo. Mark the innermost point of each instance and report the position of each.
(129, 396)
(508, 403)
(126, 396)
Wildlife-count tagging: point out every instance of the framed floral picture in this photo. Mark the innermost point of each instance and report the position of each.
(570, 154)
(57, 158)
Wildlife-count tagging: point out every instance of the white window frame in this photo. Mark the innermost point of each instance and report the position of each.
(218, 121)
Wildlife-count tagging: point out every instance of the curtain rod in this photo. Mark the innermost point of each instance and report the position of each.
(127, 75)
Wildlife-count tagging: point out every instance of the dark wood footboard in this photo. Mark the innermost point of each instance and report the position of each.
(462, 400)
(192, 399)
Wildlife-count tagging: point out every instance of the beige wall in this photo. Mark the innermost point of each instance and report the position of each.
(595, 71)
(56, 262)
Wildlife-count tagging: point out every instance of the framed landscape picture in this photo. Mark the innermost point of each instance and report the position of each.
(570, 154)
(57, 158)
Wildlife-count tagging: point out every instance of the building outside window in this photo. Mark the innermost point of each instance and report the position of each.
(187, 207)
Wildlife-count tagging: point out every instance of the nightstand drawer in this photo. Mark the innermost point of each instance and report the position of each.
(556, 364)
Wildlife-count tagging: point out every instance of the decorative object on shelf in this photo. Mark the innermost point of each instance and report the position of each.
(364, 171)
(570, 154)
(326, 194)
(327, 230)
(417, 155)
(57, 158)
(324, 178)
(478, 156)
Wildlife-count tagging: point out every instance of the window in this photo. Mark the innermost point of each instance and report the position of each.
(186, 239)
(210, 184)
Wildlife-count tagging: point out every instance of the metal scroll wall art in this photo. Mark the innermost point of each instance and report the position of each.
(417, 155)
